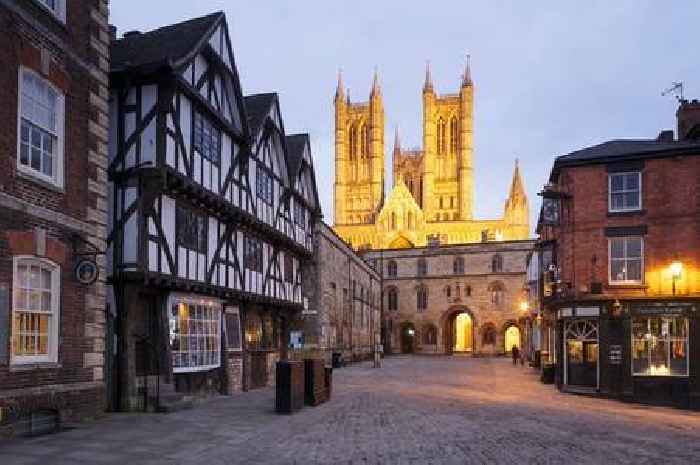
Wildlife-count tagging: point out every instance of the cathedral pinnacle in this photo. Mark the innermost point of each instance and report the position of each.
(397, 141)
(428, 86)
(516, 187)
(339, 89)
(467, 76)
(376, 90)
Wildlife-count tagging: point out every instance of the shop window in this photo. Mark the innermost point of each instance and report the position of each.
(660, 346)
(195, 334)
(42, 116)
(625, 191)
(35, 310)
(626, 258)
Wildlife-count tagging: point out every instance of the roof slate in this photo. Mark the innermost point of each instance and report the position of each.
(171, 42)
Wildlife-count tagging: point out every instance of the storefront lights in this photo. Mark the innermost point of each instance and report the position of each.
(676, 269)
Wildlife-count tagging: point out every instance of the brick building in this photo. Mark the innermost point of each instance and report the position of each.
(620, 260)
(344, 313)
(53, 155)
(453, 298)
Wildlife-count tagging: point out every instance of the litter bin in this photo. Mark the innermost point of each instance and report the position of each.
(337, 360)
(329, 381)
(314, 382)
(548, 373)
(289, 386)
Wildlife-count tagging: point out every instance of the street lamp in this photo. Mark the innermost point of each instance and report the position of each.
(523, 305)
(676, 271)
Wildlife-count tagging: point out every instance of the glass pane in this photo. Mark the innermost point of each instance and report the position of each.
(634, 247)
(35, 277)
(658, 357)
(23, 275)
(575, 351)
(617, 201)
(617, 270)
(640, 356)
(632, 181)
(36, 159)
(616, 182)
(25, 132)
(616, 248)
(36, 138)
(45, 279)
(639, 328)
(679, 328)
(35, 300)
(655, 327)
(46, 301)
(631, 199)
(591, 353)
(634, 270)
(679, 358)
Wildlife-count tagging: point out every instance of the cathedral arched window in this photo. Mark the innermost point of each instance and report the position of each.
(441, 133)
(454, 135)
(364, 142)
(353, 142)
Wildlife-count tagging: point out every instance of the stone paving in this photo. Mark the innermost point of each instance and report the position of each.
(414, 410)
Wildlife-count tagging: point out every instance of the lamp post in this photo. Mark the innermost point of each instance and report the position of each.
(676, 271)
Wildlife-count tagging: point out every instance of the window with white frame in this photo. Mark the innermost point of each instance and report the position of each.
(626, 260)
(35, 310)
(625, 191)
(660, 346)
(57, 7)
(41, 119)
(195, 333)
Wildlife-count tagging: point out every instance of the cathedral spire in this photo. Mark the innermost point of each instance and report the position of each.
(428, 85)
(467, 76)
(517, 188)
(376, 90)
(339, 90)
(397, 141)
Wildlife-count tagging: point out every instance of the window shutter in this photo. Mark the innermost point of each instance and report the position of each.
(4, 324)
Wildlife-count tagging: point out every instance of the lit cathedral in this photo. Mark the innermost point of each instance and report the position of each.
(432, 197)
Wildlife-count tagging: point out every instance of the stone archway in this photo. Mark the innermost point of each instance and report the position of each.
(458, 330)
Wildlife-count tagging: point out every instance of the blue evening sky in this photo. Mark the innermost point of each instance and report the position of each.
(550, 77)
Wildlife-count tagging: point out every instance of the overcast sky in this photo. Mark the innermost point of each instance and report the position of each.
(550, 77)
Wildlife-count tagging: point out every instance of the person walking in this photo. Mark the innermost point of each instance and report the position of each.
(515, 353)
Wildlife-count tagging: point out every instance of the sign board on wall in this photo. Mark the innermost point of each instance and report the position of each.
(615, 354)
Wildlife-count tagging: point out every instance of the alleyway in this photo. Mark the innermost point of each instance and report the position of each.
(415, 410)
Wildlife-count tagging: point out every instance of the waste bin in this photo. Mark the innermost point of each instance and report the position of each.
(337, 360)
(547, 376)
(314, 382)
(289, 386)
(329, 381)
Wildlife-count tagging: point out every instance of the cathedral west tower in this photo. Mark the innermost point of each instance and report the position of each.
(432, 196)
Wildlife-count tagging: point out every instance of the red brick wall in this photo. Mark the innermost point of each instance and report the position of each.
(671, 213)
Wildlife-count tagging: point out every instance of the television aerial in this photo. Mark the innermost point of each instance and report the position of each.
(676, 90)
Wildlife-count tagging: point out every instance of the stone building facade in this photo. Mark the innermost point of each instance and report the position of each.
(53, 158)
(458, 298)
(432, 192)
(344, 313)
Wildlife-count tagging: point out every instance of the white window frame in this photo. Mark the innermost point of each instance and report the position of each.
(613, 282)
(59, 11)
(624, 191)
(55, 320)
(57, 178)
(193, 299)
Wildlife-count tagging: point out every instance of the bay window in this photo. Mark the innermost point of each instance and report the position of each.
(626, 260)
(195, 333)
(35, 310)
(660, 346)
(40, 132)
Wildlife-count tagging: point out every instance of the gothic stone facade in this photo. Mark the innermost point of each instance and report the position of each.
(427, 288)
(345, 295)
(53, 155)
(432, 193)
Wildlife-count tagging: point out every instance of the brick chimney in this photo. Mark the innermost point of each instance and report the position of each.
(688, 116)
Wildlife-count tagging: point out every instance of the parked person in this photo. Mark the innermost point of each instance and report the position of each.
(515, 353)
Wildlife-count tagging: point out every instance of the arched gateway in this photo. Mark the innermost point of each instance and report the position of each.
(458, 330)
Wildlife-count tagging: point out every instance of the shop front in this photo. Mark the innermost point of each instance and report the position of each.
(639, 351)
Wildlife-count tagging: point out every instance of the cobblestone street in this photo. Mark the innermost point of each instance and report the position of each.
(415, 410)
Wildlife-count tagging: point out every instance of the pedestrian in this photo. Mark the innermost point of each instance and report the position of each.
(522, 358)
(515, 353)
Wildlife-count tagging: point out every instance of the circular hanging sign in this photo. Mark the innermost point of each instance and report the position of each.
(86, 271)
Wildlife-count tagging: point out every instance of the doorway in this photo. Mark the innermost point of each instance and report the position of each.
(408, 338)
(581, 364)
(512, 338)
(463, 334)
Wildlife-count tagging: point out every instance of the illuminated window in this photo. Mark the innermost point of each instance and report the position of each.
(625, 191)
(660, 346)
(35, 310)
(626, 260)
(195, 334)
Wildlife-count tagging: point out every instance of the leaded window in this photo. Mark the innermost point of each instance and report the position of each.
(299, 214)
(264, 185)
(35, 310)
(253, 254)
(625, 191)
(626, 256)
(191, 229)
(41, 128)
(195, 334)
(660, 346)
(207, 138)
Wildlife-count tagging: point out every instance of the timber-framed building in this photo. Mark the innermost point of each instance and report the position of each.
(212, 207)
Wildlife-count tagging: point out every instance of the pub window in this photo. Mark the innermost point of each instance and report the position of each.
(253, 254)
(195, 334)
(191, 229)
(288, 268)
(42, 116)
(422, 267)
(207, 138)
(625, 191)
(264, 185)
(660, 346)
(35, 310)
(391, 268)
(626, 260)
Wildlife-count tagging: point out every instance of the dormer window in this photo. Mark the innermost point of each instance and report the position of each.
(625, 191)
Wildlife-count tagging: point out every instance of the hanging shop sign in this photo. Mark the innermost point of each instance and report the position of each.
(86, 271)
